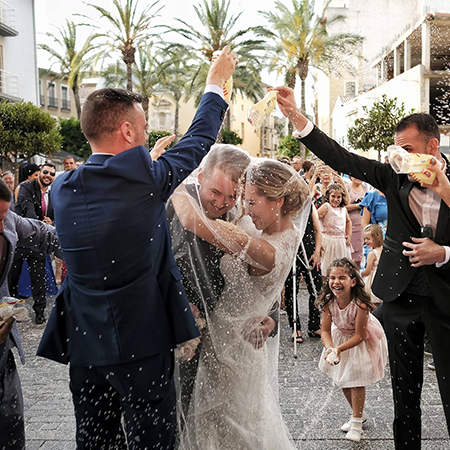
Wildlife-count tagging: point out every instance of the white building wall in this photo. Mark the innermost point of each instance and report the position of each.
(19, 52)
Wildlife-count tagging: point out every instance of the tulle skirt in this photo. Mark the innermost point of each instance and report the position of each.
(361, 365)
(334, 247)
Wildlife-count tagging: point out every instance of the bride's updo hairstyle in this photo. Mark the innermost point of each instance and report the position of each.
(275, 180)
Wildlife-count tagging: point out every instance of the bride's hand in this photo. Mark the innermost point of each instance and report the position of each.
(257, 330)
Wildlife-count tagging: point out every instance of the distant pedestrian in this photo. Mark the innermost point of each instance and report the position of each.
(355, 352)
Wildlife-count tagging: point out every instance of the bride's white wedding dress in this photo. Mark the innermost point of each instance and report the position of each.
(234, 405)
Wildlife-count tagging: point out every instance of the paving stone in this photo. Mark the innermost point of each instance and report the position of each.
(314, 409)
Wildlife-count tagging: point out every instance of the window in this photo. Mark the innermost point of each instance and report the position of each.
(41, 95)
(350, 88)
(65, 99)
(242, 130)
(52, 99)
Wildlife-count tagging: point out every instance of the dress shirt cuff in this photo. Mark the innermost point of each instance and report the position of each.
(301, 134)
(447, 257)
(214, 88)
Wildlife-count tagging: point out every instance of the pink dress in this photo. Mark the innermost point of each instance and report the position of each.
(368, 280)
(356, 218)
(333, 238)
(361, 365)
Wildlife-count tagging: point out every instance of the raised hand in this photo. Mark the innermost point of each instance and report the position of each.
(223, 68)
(288, 106)
(160, 146)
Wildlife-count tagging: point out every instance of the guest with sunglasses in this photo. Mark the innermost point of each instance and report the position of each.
(34, 202)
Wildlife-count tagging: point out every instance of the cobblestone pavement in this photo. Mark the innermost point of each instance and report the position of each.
(313, 409)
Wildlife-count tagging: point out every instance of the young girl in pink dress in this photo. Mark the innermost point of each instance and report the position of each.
(336, 226)
(355, 352)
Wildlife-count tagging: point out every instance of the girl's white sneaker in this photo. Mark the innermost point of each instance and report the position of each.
(356, 431)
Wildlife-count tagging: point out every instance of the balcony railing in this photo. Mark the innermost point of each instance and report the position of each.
(65, 104)
(7, 20)
(42, 100)
(52, 102)
(9, 84)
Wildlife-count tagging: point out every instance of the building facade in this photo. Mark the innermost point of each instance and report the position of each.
(55, 95)
(18, 60)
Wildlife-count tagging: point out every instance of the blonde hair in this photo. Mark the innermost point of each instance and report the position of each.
(375, 233)
(275, 180)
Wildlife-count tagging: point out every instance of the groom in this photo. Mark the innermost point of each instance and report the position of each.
(199, 261)
(122, 310)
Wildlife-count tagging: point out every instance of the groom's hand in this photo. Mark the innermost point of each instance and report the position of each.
(257, 335)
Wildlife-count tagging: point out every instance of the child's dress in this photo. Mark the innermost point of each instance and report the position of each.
(368, 280)
(333, 240)
(361, 365)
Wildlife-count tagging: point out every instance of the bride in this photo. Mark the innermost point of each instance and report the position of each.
(234, 405)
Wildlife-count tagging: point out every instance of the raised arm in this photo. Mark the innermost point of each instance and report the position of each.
(229, 238)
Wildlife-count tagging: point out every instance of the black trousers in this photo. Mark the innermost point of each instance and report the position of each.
(142, 391)
(12, 425)
(314, 313)
(37, 276)
(405, 321)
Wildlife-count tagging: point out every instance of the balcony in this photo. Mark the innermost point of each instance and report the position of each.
(9, 85)
(52, 102)
(42, 100)
(65, 105)
(7, 20)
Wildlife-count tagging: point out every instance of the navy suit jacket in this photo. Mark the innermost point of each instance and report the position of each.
(394, 272)
(122, 299)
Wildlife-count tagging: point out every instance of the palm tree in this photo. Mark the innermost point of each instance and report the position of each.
(73, 63)
(218, 28)
(302, 40)
(128, 30)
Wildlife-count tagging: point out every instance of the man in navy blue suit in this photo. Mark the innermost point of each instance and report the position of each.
(122, 308)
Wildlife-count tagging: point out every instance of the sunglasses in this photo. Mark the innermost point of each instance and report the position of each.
(47, 172)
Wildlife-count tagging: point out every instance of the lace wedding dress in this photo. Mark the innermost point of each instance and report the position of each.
(234, 405)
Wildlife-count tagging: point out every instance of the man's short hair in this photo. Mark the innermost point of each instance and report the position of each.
(5, 192)
(105, 110)
(48, 165)
(425, 124)
(69, 157)
(231, 160)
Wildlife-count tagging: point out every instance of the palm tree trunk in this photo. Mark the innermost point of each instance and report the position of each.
(145, 103)
(130, 76)
(76, 96)
(290, 80)
(303, 111)
(176, 124)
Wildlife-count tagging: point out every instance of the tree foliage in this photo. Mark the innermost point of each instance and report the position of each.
(128, 29)
(215, 29)
(289, 146)
(230, 137)
(26, 130)
(74, 140)
(73, 62)
(154, 135)
(377, 129)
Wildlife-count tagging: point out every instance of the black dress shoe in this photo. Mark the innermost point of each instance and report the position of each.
(40, 318)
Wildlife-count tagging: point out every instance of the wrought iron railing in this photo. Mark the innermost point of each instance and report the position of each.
(7, 15)
(9, 84)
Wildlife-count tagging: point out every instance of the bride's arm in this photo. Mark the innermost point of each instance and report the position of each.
(226, 236)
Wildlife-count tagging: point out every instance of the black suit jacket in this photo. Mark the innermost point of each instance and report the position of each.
(394, 272)
(29, 202)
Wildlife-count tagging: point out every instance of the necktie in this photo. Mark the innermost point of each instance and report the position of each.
(43, 204)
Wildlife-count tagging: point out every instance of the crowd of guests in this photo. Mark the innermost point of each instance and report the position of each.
(32, 272)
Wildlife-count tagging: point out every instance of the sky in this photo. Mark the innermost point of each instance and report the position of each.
(51, 14)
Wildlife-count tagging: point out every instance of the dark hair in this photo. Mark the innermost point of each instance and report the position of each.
(30, 169)
(48, 165)
(105, 110)
(359, 293)
(284, 159)
(424, 123)
(69, 157)
(5, 192)
(307, 166)
(339, 188)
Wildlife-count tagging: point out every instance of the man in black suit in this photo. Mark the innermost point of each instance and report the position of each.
(34, 202)
(413, 277)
